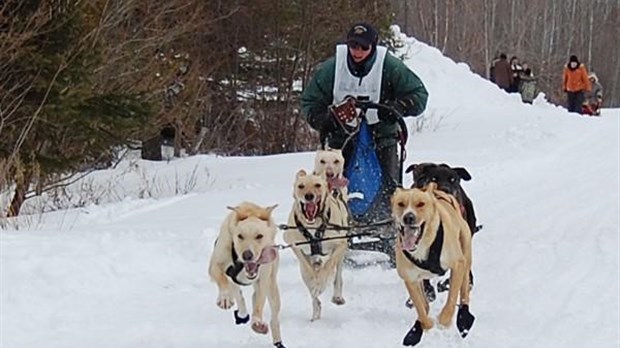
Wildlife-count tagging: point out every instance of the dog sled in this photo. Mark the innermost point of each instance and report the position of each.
(369, 188)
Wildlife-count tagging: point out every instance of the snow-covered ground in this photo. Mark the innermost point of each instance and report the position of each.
(132, 271)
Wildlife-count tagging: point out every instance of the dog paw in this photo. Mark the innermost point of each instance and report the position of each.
(426, 323)
(445, 317)
(239, 320)
(225, 300)
(414, 335)
(260, 327)
(339, 300)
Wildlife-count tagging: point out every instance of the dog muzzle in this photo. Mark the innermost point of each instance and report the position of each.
(267, 255)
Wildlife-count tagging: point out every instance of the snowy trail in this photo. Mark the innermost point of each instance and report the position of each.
(134, 273)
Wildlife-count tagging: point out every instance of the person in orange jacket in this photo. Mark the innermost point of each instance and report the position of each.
(575, 83)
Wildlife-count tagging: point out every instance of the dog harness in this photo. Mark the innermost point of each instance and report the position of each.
(432, 263)
(237, 266)
(316, 248)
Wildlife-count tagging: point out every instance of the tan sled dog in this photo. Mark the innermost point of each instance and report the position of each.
(329, 164)
(432, 238)
(244, 254)
(314, 212)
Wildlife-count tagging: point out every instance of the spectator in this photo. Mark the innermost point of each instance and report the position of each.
(527, 85)
(593, 98)
(516, 70)
(575, 83)
(492, 68)
(502, 73)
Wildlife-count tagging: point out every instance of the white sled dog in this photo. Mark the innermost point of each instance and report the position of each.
(315, 212)
(244, 254)
(329, 163)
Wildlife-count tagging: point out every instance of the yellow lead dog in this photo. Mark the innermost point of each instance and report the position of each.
(314, 213)
(432, 238)
(244, 254)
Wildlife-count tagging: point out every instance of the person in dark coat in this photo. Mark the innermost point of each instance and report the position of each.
(517, 70)
(502, 73)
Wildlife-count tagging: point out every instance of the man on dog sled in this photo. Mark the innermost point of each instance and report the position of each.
(361, 74)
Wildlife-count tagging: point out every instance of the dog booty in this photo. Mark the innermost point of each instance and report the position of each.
(241, 320)
(414, 335)
(464, 320)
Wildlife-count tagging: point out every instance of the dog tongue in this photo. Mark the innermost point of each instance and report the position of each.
(311, 210)
(410, 240)
(338, 182)
(251, 267)
(267, 255)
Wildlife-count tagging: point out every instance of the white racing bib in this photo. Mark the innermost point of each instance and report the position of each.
(365, 88)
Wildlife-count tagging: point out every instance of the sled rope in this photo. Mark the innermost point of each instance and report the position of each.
(338, 228)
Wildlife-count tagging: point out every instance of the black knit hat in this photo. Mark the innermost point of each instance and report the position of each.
(363, 34)
(573, 58)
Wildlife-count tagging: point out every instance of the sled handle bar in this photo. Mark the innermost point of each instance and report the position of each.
(368, 105)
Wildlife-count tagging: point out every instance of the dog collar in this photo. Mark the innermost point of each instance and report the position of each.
(432, 263)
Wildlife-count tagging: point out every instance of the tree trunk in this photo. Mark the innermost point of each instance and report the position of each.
(571, 27)
(19, 196)
(446, 29)
(590, 25)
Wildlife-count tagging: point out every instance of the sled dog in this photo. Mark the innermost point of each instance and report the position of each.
(432, 238)
(244, 254)
(329, 163)
(448, 180)
(316, 214)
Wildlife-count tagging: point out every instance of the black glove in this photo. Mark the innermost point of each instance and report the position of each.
(318, 120)
(397, 108)
(329, 124)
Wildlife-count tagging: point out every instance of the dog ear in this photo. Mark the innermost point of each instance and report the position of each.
(463, 173)
(271, 208)
(301, 173)
(240, 214)
(265, 213)
(419, 168)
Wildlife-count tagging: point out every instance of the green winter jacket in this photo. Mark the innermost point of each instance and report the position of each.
(398, 83)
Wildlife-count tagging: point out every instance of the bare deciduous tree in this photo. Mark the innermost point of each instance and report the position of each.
(542, 33)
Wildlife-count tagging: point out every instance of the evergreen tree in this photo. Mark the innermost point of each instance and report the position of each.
(63, 124)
